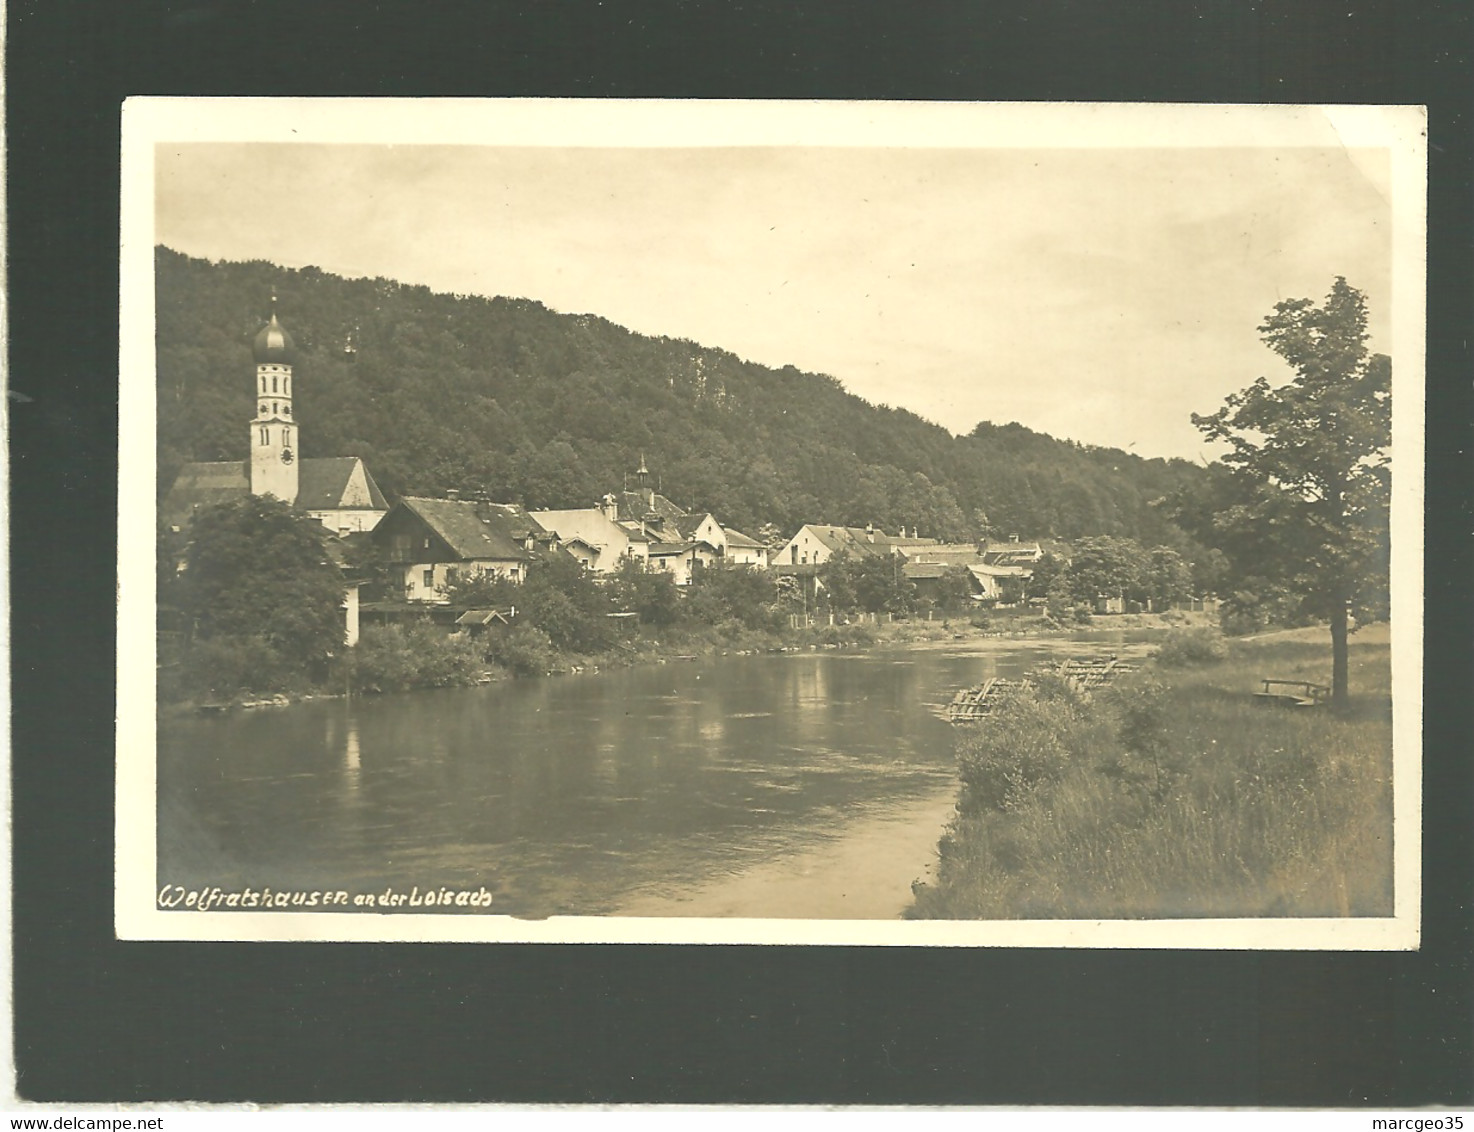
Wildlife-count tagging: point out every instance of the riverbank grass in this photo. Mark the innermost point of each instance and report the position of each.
(1177, 794)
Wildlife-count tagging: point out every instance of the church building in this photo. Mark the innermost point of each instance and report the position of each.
(337, 491)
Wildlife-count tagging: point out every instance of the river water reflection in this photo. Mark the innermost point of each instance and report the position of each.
(564, 796)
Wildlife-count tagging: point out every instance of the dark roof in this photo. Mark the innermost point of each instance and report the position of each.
(203, 485)
(520, 522)
(658, 549)
(323, 482)
(688, 523)
(273, 344)
(468, 529)
(632, 506)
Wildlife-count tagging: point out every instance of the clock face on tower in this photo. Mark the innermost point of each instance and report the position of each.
(286, 455)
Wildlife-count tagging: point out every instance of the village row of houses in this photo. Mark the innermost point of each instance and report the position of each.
(431, 544)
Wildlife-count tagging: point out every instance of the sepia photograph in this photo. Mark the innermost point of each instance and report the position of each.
(846, 523)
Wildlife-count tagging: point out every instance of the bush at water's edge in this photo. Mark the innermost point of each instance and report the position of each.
(1177, 795)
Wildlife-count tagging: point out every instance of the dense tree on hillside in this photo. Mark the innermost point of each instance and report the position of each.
(505, 396)
(261, 595)
(1310, 475)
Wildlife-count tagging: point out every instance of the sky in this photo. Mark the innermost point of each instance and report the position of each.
(1100, 295)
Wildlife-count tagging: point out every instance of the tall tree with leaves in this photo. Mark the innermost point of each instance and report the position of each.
(258, 582)
(1311, 476)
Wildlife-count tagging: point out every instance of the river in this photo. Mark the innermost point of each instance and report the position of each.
(809, 785)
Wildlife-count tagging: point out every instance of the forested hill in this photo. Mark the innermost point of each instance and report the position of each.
(507, 396)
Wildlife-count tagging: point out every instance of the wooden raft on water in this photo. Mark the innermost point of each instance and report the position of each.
(1084, 674)
(979, 702)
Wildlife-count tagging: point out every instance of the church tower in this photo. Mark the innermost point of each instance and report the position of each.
(274, 432)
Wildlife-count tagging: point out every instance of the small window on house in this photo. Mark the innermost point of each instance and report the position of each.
(286, 436)
(265, 436)
(273, 383)
(263, 383)
(263, 408)
(428, 581)
(427, 544)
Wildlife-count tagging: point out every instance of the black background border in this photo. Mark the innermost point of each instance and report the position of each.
(102, 1020)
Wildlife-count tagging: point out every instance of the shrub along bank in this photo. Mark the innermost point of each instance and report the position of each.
(1175, 794)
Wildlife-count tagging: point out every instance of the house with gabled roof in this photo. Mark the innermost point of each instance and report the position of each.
(701, 527)
(742, 550)
(339, 493)
(816, 543)
(1012, 553)
(682, 558)
(431, 544)
(952, 553)
(596, 540)
(731, 545)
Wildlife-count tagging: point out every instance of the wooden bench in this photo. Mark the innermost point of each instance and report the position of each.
(1293, 693)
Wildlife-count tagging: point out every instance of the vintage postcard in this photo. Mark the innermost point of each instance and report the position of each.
(762, 522)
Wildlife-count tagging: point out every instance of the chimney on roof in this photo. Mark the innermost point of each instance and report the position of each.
(870, 532)
(453, 493)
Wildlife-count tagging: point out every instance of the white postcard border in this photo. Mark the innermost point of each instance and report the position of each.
(147, 122)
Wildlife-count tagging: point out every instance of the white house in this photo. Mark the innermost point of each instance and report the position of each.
(594, 538)
(681, 560)
(744, 551)
(816, 543)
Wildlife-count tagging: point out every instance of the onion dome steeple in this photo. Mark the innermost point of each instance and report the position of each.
(273, 432)
(273, 345)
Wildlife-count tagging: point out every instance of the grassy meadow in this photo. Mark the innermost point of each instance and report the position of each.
(1176, 794)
